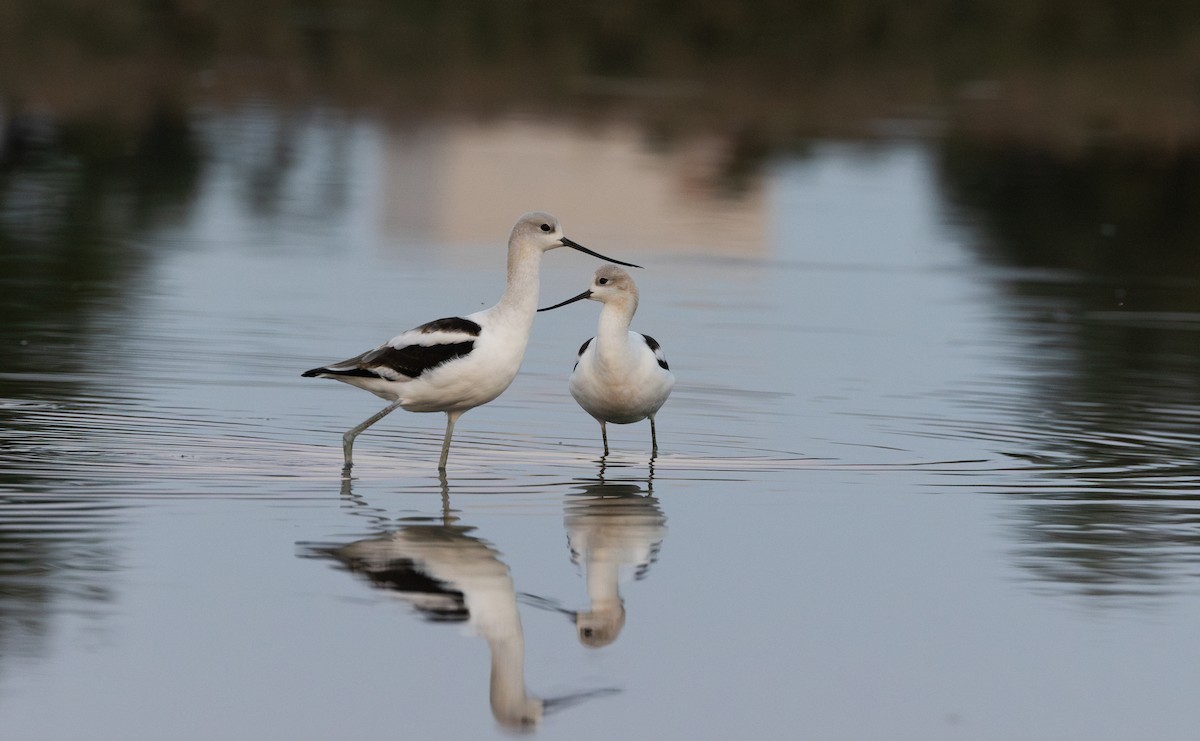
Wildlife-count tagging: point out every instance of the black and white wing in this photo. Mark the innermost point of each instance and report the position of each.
(582, 347)
(410, 354)
(657, 350)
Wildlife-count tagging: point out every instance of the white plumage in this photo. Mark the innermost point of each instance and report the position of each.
(620, 376)
(458, 363)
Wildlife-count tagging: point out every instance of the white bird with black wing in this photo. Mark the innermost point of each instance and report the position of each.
(458, 363)
(620, 376)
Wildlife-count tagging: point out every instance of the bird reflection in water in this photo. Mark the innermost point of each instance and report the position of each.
(614, 531)
(449, 575)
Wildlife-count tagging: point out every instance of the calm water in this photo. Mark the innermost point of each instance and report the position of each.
(929, 470)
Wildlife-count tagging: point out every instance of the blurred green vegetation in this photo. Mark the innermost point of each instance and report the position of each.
(783, 68)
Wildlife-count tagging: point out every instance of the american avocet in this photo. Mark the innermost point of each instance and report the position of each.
(620, 376)
(458, 363)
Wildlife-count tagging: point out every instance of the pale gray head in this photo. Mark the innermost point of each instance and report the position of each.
(541, 230)
(610, 285)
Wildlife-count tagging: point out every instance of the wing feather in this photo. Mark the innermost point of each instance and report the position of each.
(411, 353)
(657, 350)
(582, 347)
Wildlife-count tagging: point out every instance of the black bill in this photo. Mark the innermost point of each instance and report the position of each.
(576, 246)
(580, 297)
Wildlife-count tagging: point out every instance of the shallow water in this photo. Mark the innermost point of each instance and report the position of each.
(922, 476)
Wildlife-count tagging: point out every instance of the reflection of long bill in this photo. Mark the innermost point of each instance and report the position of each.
(614, 531)
(613, 527)
(449, 575)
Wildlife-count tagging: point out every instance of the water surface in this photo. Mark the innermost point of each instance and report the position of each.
(928, 470)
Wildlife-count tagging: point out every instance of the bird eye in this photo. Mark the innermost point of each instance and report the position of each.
(545, 227)
(603, 281)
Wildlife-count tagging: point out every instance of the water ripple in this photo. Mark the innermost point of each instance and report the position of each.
(57, 554)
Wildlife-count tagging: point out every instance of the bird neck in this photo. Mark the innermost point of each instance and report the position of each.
(603, 581)
(510, 701)
(521, 288)
(612, 335)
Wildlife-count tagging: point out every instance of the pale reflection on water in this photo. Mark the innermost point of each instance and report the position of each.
(613, 529)
(931, 449)
(450, 575)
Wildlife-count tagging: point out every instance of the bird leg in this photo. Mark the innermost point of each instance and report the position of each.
(653, 441)
(451, 418)
(348, 437)
(604, 436)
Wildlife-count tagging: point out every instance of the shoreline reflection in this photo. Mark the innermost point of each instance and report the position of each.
(1093, 265)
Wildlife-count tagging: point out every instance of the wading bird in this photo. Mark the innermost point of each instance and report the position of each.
(458, 363)
(620, 376)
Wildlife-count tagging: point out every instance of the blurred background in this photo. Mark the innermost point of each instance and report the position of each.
(1066, 131)
(1061, 112)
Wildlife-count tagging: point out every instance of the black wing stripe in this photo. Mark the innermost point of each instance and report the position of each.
(413, 360)
(657, 350)
(364, 372)
(451, 324)
(402, 576)
(582, 347)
